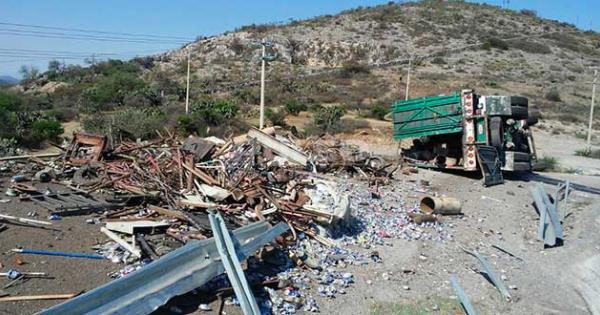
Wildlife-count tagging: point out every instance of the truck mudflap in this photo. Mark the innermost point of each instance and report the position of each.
(489, 162)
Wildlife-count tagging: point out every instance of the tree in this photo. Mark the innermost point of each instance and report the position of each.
(328, 118)
(29, 73)
(54, 69)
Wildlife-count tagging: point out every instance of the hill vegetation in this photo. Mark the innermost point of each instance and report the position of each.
(355, 61)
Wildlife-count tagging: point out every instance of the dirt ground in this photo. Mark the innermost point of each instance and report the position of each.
(414, 275)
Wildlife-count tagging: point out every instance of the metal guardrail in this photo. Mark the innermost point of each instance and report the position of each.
(491, 274)
(464, 300)
(176, 273)
(229, 256)
(549, 229)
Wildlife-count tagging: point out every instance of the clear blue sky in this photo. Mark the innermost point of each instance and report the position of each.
(190, 18)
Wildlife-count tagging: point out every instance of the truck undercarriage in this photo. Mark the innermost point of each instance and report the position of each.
(467, 131)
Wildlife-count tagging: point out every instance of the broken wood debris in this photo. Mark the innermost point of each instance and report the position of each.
(164, 190)
(38, 297)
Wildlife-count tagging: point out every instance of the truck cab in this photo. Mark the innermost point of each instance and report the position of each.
(467, 131)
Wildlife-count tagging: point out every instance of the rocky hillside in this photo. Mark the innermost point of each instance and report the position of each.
(359, 57)
(468, 39)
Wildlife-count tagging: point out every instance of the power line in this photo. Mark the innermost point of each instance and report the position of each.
(91, 36)
(86, 37)
(95, 31)
(38, 59)
(59, 52)
(26, 51)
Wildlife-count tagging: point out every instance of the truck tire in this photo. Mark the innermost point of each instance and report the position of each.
(496, 132)
(533, 117)
(425, 139)
(532, 120)
(519, 112)
(521, 156)
(522, 167)
(519, 101)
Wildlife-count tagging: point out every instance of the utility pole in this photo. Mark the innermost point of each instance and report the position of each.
(187, 89)
(264, 58)
(589, 135)
(262, 85)
(408, 79)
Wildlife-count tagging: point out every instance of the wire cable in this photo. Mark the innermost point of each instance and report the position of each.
(95, 31)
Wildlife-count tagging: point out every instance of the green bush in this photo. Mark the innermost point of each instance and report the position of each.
(528, 12)
(111, 90)
(8, 121)
(379, 111)
(46, 129)
(530, 46)
(549, 163)
(276, 117)
(206, 114)
(438, 61)
(294, 107)
(353, 68)
(214, 112)
(8, 147)
(128, 124)
(594, 154)
(328, 118)
(189, 125)
(64, 114)
(10, 101)
(495, 43)
(553, 95)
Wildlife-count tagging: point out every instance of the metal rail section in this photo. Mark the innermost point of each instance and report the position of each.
(176, 273)
(490, 273)
(464, 299)
(231, 262)
(547, 231)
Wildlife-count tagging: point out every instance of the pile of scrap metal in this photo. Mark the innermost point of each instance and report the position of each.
(173, 188)
(330, 154)
(248, 178)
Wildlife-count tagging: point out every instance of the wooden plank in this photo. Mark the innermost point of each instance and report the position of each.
(168, 212)
(38, 297)
(278, 147)
(200, 174)
(29, 156)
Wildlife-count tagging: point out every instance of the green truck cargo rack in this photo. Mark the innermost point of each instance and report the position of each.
(426, 116)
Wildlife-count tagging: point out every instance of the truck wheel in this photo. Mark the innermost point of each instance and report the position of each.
(519, 112)
(533, 117)
(519, 101)
(522, 166)
(521, 156)
(532, 120)
(496, 132)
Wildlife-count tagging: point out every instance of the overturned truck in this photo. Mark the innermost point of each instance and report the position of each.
(467, 131)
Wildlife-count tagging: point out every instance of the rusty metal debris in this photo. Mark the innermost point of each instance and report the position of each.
(147, 196)
(85, 148)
